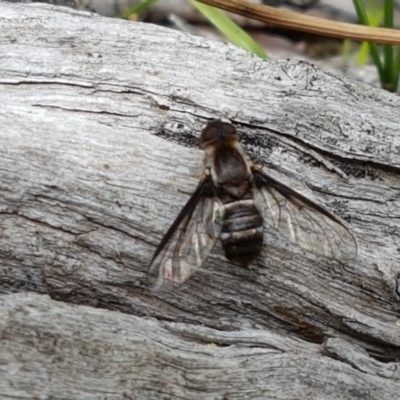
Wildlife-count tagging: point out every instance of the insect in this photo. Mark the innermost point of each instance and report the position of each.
(236, 202)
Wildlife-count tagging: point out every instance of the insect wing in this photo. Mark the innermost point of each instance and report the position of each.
(302, 221)
(187, 243)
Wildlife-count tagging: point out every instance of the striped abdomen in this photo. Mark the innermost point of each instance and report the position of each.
(242, 231)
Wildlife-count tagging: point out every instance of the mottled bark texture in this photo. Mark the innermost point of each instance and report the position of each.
(100, 121)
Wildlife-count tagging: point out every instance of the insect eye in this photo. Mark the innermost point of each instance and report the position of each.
(209, 133)
(217, 131)
(228, 129)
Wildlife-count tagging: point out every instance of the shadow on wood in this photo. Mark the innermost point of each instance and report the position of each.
(99, 151)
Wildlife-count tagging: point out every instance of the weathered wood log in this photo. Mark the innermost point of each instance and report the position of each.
(55, 350)
(99, 151)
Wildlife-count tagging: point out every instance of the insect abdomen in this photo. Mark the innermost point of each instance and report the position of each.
(242, 232)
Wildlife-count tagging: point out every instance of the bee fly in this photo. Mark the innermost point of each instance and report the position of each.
(233, 202)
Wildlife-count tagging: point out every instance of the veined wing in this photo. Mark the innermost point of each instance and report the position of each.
(302, 221)
(188, 241)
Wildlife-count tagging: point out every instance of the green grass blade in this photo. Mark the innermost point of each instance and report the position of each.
(396, 71)
(388, 52)
(230, 29)
(363, 54)
(373, 48)
(142, 5)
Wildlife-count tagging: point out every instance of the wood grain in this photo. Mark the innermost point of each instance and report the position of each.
(99, 151)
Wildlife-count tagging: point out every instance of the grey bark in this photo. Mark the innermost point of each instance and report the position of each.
(98, 153)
